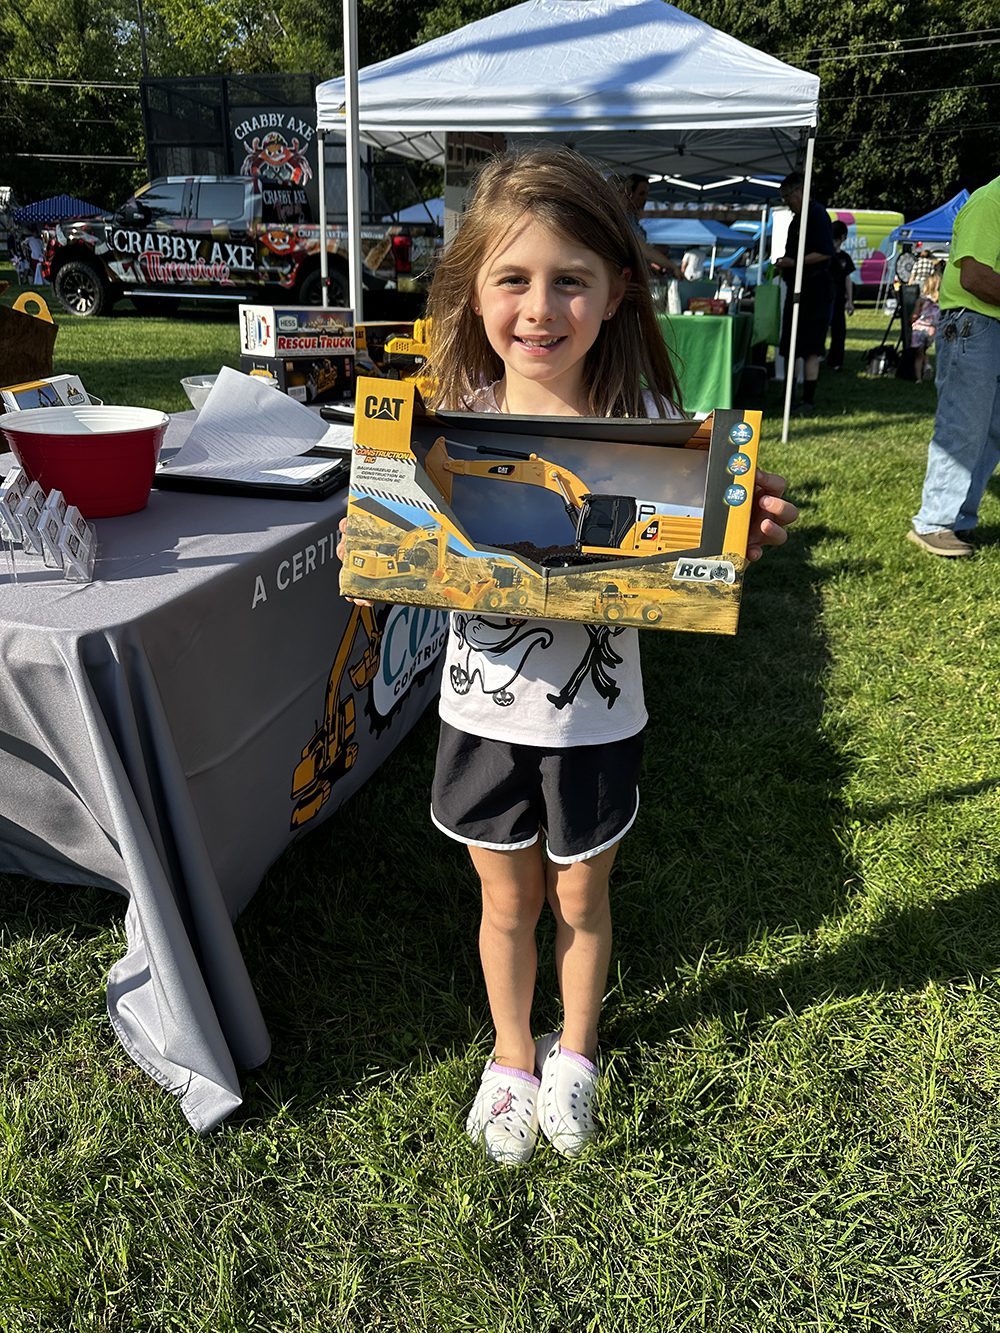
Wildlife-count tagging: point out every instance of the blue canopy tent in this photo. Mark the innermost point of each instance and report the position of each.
(934, 226)
(688, 232)
(57, 209)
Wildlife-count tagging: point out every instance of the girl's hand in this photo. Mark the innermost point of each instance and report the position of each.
(342, 528)
(771, 514)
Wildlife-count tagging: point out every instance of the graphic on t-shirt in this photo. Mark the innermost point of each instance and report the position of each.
(598, 662)
(495, 652)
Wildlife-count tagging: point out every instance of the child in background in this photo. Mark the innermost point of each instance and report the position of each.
(540, 307)
(923, 330)
(841, 266)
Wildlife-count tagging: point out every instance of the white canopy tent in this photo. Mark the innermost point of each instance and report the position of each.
(637, 84)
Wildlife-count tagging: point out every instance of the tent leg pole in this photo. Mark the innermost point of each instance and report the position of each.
(353, 157)
(324, 257)
(797, 291)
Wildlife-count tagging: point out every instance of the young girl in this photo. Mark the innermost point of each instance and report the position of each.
(540, 307)
(923, 330)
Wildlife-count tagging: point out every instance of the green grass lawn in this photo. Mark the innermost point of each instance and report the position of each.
(802, 1032)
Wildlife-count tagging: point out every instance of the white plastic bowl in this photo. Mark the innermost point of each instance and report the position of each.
(197, 388)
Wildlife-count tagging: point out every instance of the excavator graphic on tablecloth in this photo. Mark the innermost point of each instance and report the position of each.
(333, 751)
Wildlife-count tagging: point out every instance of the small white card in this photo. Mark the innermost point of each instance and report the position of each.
(78, 546)
(28, 513)
(11, 494)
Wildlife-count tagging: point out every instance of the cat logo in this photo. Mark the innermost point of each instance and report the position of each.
(382, 409)
(502, 470)
(650, 532)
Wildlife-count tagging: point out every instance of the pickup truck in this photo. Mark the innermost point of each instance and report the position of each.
(221, 238)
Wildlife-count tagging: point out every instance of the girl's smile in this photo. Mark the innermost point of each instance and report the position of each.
(543, 299)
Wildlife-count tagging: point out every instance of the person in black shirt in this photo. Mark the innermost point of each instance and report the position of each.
(843, 296)
(817, 287)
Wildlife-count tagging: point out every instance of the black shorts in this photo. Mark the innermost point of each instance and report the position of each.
(492, 794)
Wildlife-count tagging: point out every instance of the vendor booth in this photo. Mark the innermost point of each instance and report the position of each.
(933, 227)
(637, 84)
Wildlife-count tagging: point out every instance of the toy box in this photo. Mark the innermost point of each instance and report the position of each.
(56, 391)
(296, 331)
(318, 379)
(638, 522)
(708, 305)
(371, 337)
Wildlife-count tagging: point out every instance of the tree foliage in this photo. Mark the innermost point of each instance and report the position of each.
(899, 128)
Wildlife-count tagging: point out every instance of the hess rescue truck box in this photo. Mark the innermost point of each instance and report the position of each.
(630, 521)
(296, 331)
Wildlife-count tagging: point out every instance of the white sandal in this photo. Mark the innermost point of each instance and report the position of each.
(567, 1100)
(504, 1115)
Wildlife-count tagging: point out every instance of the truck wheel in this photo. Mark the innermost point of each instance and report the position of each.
(311, 288)
(651, 614)
(614, 611)
(81, 290)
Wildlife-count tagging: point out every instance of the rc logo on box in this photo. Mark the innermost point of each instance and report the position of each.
(705, 571)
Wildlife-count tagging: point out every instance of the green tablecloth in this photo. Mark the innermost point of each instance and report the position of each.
(767, 314)
(709, 352)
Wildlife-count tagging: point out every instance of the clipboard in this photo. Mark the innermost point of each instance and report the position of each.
(333, 479)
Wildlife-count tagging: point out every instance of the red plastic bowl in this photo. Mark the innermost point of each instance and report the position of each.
(101, 458)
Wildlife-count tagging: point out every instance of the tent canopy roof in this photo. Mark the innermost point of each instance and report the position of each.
(934, 226)
(56, 209)
(636, 83)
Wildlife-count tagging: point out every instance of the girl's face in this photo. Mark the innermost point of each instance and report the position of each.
(543, 299)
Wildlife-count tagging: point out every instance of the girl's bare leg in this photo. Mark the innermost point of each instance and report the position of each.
(513, 886)
(578, 896)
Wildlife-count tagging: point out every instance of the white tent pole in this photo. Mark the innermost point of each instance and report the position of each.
(797, 291)
(353, 158)
(711, 262)
(324, 258)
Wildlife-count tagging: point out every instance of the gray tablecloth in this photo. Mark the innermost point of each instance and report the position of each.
(153, 725)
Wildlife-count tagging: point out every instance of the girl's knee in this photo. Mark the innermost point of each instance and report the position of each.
(581, 902)
(512, 908)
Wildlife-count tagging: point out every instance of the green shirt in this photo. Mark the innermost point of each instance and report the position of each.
(976, 235)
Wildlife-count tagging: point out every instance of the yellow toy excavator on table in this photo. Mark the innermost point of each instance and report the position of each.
(618, 525)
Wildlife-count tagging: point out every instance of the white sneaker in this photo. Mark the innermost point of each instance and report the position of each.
(567, 1100)
(504, 1116)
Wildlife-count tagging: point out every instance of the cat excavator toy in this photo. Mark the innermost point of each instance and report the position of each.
(609, 525)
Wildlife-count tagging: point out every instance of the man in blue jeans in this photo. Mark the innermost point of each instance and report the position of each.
(965, 447)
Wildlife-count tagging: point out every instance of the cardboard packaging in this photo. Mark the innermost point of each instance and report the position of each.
(296, 331)
(371, 337)
(637, 522)
(56, 391)
(708, 305)
(320, 379)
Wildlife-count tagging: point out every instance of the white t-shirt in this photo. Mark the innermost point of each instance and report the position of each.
(553, 683)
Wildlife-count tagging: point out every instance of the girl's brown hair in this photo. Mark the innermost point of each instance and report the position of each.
(562, 191)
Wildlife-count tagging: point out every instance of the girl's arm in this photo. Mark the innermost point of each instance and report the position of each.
(771, 514)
